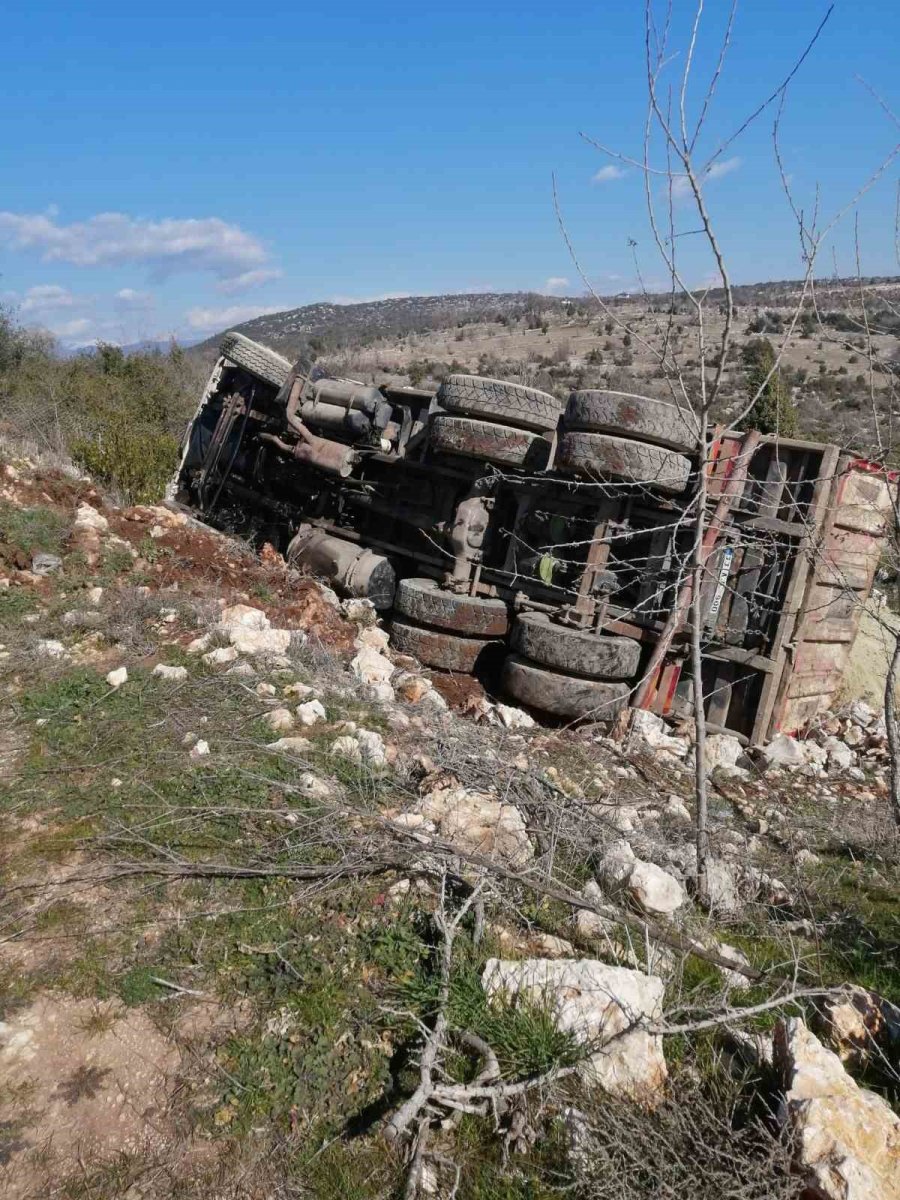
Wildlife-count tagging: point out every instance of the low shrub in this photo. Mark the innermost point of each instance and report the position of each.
(134, 459)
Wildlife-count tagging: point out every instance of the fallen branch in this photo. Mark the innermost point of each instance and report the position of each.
(176, 987)
(398, 1124)
(182, 869)
(643, 926)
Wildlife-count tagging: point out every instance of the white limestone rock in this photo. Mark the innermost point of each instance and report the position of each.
(477, 823)
(647, 886)
(346, 747)
(371, 666)
(847, 1139)
(51, 648)
(220, 657)
(311, 712)
(170, 674)
(280, 720)
(88, 518)
(601, 1006)
(784, 751)
(291, 745)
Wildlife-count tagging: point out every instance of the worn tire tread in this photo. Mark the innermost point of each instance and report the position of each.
(489, 441)
(601, 455)
(563, 695)
(575, 651)
(642, 418)
(258, 360)
(497, 400)
(437, 648)
(423, 601)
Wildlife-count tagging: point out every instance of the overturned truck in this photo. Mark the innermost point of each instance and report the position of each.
(548, 545)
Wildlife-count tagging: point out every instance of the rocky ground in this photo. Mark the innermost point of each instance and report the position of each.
(284, 915)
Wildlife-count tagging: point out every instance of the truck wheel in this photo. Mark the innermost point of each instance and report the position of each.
(485, 440)
(575, 651)
(639, 417)
(435, 648)
(563, 695)
(476, 396)
(600, 455)
(426, 603)
(258, 360)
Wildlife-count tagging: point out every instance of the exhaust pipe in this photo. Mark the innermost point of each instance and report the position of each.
(352, 569)
(333, 457)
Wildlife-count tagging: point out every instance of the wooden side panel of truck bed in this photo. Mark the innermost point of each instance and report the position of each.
(844, 561)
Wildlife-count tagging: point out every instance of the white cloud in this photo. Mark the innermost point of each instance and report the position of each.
(166, 246)
(77, 329)
(681, 185)
(555, 283)
(607, 173)
(723, 167)
(133, 300)
(247, 280)
(47, 297)
(210, 320)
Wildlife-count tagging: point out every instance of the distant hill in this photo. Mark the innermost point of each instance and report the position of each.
(335, 326)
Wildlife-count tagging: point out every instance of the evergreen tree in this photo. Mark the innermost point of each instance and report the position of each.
(774, 411)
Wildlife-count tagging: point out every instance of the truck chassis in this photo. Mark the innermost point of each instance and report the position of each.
(548, 545)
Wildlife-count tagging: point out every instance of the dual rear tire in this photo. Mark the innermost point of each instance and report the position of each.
(635, 440)
(444, 630)
(494, 421)
(605, 435)
(257, 360)
(570, 673)
(566, 696)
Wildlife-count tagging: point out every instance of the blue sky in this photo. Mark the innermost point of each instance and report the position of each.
(175, 168)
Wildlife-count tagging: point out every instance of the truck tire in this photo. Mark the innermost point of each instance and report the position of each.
(426, 603)
(497, 400)
(435, 648)
(258, 360)
(575, 651)
(563, 695)
(600, 455)
(488, 441)
(638, 417)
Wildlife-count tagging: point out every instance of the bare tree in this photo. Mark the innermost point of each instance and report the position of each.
(678, 158)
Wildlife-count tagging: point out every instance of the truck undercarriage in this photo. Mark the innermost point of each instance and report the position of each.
(548, 545)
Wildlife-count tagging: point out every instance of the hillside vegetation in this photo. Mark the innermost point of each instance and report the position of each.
(121, 415)
(561, 344)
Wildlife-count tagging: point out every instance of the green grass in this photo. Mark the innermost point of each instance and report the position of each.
(523, 1034)
(317, 1048)
(137, 986)
(488, 1175)
(317, 1057)
(316, 974)
(115, 562)
(860, 940)
(14, 604)
(32, 529)
(349, 1170)
(250, 941)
